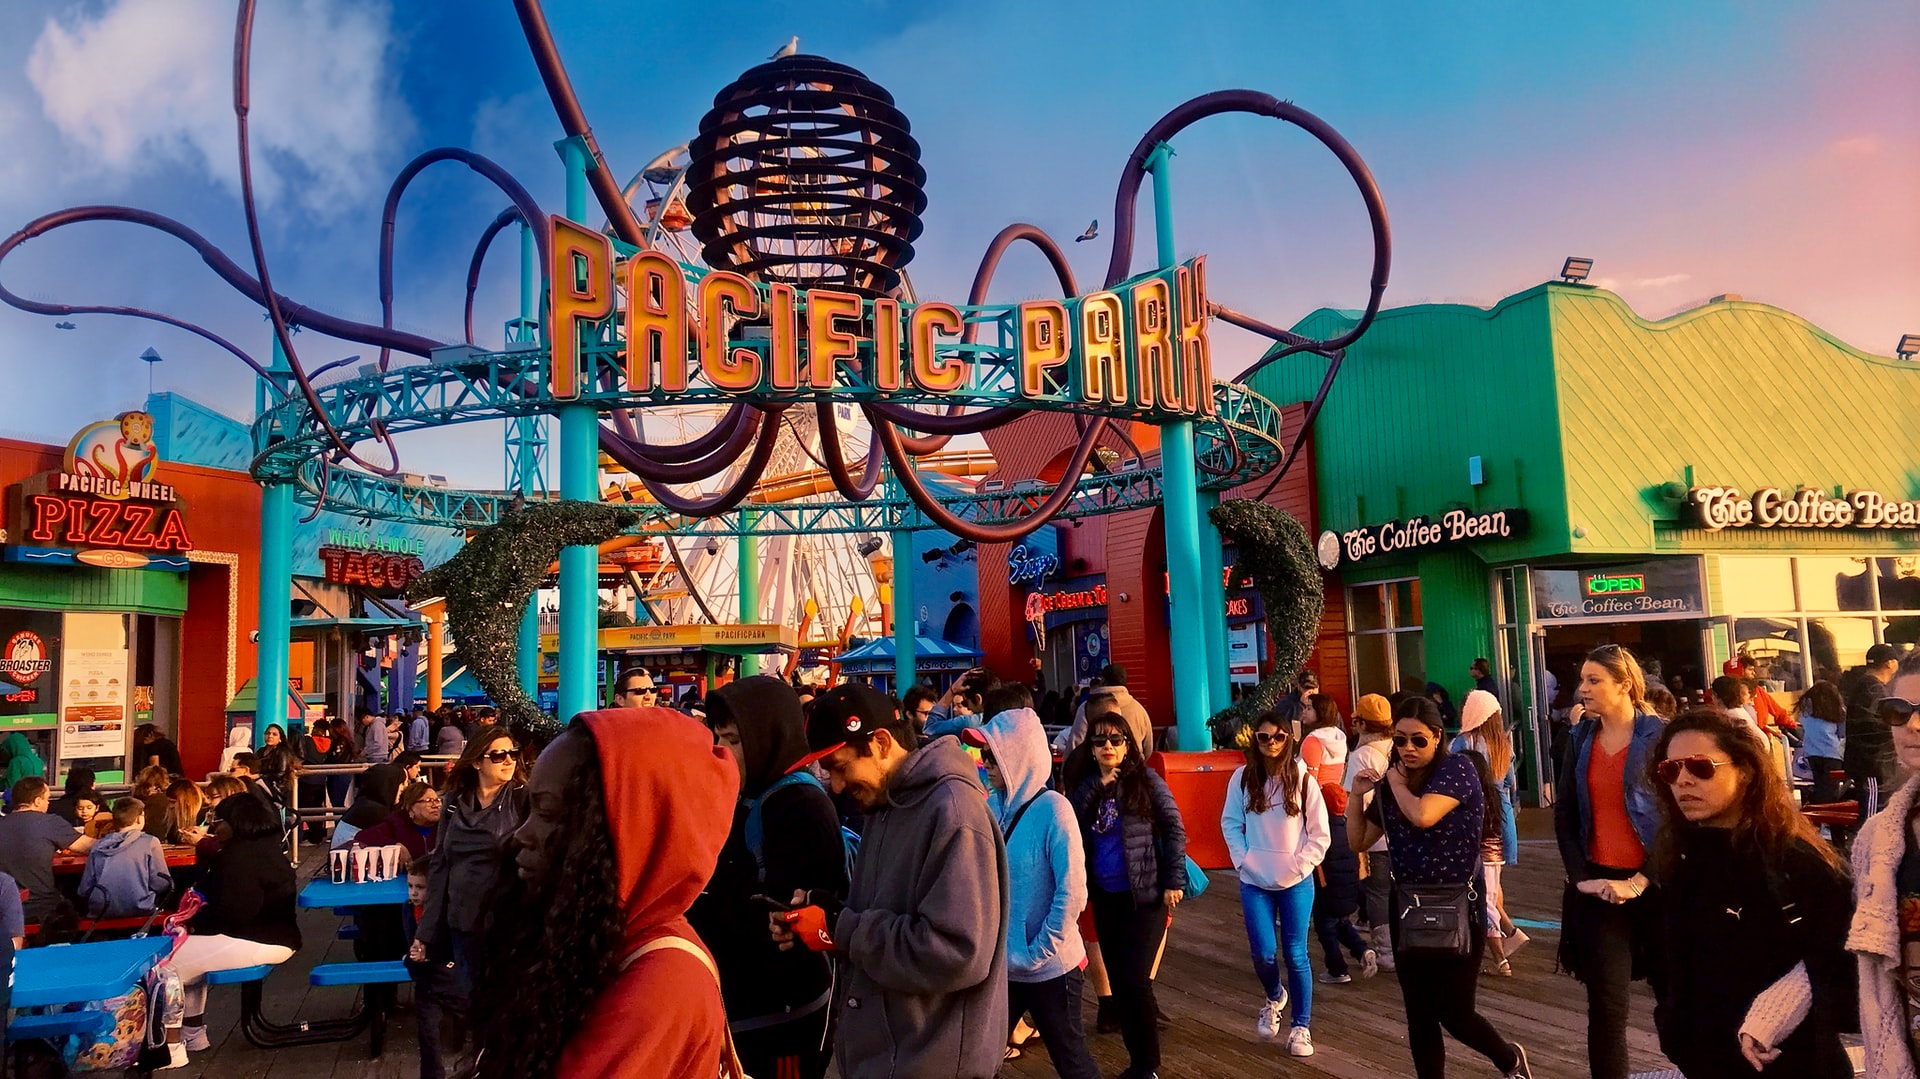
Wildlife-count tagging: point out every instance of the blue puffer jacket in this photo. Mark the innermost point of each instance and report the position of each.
(1156, 848)
(1572, 821)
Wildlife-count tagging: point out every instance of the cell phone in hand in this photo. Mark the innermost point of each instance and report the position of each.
(778, 906)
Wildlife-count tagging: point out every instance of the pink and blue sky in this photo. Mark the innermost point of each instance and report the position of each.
(1690, 149)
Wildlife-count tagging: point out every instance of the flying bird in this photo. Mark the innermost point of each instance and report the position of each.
(660, 170)
(63, 326)
(792, 46)
(1093, 231)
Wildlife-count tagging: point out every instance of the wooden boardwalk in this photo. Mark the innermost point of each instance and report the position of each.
(1206, 985)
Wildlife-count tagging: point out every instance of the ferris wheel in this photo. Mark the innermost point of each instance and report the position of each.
(825, 583)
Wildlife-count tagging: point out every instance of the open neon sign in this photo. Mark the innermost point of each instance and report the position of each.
(1616, 584)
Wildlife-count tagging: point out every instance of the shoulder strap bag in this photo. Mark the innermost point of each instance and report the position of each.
(730, 1067)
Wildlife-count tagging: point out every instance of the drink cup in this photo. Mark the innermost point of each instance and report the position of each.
(363, 863)
(337, 861)
(395, 853)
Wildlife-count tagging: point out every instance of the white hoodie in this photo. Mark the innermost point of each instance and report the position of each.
(1275, 850)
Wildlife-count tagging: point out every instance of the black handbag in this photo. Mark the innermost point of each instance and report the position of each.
(1436, 920)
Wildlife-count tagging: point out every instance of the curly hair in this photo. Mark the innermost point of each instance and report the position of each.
(1770, 824)
(558, 936)
(1255, 780)
(1134, 797)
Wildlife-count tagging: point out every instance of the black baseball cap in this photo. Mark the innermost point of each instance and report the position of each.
(1882, 653)
(848, 713)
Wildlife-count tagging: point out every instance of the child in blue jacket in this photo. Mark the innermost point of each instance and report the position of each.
(126, 871)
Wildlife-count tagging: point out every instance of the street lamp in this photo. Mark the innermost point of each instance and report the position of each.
(152, 358)
(1909, 346)
(1575, 270)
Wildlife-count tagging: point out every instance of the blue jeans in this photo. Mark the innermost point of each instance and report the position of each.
(1292, 909)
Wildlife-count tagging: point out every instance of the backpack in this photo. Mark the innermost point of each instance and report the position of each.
(756, 827)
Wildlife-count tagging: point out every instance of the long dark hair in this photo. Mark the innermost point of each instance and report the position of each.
(558, 936)
(1492, 822)
(1080, 766)
(1822, 700)
(1254, 779)
(1427, 713)
(464, 776)
(1770, 824)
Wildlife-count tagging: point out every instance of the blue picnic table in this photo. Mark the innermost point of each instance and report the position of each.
(373, 893)
(73, 973)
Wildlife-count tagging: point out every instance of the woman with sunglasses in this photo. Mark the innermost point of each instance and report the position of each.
(1605, 820)
(1753, 915)
(484, 802)
(1275, 825)
(1885, 934)
(1432, 810)
(1136, 850)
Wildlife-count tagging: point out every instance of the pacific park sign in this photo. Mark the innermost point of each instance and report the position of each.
(1139, 348)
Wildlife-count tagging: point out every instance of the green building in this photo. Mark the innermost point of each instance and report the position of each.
(1527, 482)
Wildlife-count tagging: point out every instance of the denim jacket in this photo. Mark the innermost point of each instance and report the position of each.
(1572, 822)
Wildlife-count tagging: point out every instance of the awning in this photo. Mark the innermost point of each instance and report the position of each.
(929, 653)
(359, 625)
(246, 701)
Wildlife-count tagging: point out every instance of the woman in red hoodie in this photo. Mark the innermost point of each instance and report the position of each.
(629, 810)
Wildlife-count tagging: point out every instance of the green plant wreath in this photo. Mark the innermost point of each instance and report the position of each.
(1276, 553)
(488, 585)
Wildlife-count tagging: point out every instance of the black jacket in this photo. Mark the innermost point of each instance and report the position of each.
(469, 857)
(1337, 889)
(1869, 749)
(1156, 846)
(1724, 939)
(801, 846)
(250, 893)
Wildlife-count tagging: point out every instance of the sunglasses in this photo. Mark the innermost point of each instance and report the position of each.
(1701, 768)
(1264, 738)
(500, 756)
(1116, 740)
(1897, 710)
(1417, 741)
(649, 690)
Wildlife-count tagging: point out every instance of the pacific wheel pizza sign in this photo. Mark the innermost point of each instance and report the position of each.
(104, 506)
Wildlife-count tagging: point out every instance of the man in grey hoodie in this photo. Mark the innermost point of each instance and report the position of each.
(1047, 871)
(924, 931)
(1110, 696)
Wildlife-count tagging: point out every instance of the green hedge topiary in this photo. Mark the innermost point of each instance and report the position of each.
(487, 587)
(1276, 553)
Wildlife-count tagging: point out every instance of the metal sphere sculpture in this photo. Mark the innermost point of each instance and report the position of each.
(804, 173)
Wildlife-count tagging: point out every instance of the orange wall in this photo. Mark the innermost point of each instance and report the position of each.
(222, 511)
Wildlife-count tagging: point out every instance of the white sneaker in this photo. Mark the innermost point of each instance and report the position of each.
(1267, 1024)
(1370, 964)
(195, 1039)
(176, 1057)
(1300, 1042)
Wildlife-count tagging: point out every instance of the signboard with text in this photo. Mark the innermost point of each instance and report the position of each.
(104, 507)
(1417, 534)
(1718, 508)
(1663, 588)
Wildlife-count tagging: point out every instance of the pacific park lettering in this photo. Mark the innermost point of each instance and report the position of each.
(1138, 347)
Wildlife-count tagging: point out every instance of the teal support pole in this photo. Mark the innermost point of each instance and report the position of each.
(1213, 574)
(276, 607)
(527, 649)
(579, 481)
(749, 574)
(276, 592)
(905, 623)
(1180, 514)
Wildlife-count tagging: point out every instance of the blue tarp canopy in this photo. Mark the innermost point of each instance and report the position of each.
(928, 654)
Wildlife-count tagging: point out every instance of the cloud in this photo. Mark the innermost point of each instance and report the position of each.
(143, 85)
(1662, 281)
(1857, 146)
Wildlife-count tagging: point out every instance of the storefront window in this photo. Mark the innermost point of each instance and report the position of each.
(1837, 644)
(1835, 584)
(1385, 643)
(1757, 584)
(1780, 624)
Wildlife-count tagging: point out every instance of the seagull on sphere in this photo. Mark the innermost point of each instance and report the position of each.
(63, 326)
(792, 46)
(1093, 231)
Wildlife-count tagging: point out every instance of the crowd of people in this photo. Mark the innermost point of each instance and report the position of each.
(790, 882)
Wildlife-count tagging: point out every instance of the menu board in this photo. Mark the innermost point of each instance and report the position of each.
(93, 703)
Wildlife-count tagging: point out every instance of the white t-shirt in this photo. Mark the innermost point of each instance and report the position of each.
(1371, 756)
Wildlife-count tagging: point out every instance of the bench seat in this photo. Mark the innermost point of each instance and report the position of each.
(385, 973)
(55, 1025)
(238, 975)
